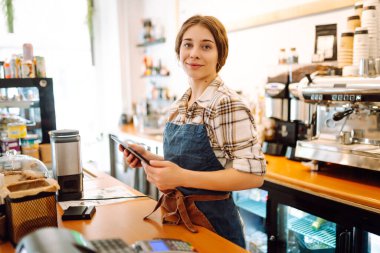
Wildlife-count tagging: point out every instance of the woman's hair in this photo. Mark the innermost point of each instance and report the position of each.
(217, 30)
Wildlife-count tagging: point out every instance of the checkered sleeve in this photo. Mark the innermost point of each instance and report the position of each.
(236, 135)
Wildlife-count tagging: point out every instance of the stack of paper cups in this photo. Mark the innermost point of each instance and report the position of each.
(361, 45)
(359, 8)
(345, 49)
(369, 21)
(375, 3)
(353, 22)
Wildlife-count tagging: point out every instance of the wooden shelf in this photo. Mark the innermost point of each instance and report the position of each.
(151, 43)
(155, 76)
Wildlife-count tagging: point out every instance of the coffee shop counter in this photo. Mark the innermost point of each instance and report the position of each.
(125, 220)
(355, 187)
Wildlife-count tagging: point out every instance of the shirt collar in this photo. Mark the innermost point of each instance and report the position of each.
(209, 92)
(204, 99)
(182, 102)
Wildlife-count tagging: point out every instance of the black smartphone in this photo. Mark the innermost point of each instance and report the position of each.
(134, 152)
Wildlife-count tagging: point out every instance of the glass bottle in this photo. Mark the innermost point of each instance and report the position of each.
(282, 56)
(27, 67)
(293, 56)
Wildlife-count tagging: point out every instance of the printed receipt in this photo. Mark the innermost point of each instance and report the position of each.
(105, 196)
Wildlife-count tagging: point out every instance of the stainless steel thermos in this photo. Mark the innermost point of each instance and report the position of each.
(67, 163)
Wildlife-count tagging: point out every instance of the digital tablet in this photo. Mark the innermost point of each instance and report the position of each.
(134, 152)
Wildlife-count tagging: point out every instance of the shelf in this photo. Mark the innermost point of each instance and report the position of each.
(325, 235)
(155, 76)
(151, 43)
(258, 208)
(17, 104)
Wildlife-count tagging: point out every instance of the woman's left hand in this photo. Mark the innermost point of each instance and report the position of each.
(164, 175)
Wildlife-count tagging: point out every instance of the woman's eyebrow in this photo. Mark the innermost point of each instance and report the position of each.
(204, 40)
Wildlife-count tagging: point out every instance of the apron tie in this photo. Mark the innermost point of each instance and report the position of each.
(178, 208)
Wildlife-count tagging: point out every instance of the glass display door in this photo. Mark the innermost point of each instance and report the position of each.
(300, 232)
(373, 243)
(20, 105)
(27, 105)
(252, 205)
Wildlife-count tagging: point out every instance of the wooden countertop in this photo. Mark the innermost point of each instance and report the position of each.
(357, 187)
(353, 186)
(131, 130)
(125, 220)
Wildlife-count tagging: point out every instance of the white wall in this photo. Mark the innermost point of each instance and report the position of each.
(253, 52)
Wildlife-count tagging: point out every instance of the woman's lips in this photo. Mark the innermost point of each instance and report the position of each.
(194, 65)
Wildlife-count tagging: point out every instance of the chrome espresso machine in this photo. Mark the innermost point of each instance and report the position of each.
(347, 121)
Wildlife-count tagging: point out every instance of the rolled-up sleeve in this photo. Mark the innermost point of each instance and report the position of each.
(236, 135)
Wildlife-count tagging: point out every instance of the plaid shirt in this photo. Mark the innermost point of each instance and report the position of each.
(229, 123)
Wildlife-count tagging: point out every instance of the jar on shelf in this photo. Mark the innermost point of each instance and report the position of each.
(282, 56)
(293, 56)
(16, 130)
(30, 145)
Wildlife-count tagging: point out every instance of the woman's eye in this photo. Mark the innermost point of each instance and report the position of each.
(207, 47)
(187, 45)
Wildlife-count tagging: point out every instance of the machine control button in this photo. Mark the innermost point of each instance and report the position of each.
(358, 97)
(334, 97)
(320, 97)
(352, 98)
(346, 97)
(312, 96)
(340, 97)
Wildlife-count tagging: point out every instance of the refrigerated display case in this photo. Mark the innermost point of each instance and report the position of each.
(300, 222)
(373, 243)
(304, 232)
(252, 205)
(30, 100)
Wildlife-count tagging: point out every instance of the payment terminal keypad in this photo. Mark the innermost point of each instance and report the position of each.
(111, 246)
(179, 245)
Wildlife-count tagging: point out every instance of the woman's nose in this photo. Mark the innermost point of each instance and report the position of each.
(194, 53)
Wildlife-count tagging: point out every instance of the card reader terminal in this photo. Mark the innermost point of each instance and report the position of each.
(163, 246)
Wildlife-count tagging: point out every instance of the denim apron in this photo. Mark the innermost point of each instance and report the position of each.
(189, 147)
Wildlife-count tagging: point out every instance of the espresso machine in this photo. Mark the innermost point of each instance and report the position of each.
(347, 121)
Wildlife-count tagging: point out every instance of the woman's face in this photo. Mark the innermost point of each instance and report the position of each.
(198, 53)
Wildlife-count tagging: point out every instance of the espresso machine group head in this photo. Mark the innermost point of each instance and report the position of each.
(347, 121)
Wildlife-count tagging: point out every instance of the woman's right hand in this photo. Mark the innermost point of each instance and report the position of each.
(132, 160)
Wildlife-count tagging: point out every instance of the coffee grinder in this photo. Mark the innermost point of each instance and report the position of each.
(300, 121)
(287, 117)
(276, 115)
(67, 163)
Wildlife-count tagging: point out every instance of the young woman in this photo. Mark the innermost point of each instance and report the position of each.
(210, 144)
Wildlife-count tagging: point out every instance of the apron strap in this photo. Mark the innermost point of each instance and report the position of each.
(159, 203)
(181, 204)
(193, 198)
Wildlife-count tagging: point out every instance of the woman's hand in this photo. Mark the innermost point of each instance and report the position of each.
(164, 175)
(132, 160)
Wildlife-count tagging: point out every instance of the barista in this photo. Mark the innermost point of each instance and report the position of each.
(210, 140)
